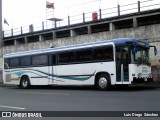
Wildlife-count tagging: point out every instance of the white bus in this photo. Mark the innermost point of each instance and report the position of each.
(121, 61)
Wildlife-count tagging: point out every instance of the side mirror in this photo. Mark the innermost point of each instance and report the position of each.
(155, 50)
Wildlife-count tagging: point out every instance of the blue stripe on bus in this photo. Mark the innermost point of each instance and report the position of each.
(19, 73)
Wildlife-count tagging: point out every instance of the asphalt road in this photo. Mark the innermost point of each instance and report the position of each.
(79, 99)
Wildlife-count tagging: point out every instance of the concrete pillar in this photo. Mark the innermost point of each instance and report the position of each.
(15, 42)
(118, 10)
(40, 38)
(31, 29)
(100, 14)
(135, 24)
(73, 33)
(89, 29)
(25, 40)
(111, 26)
(54, 35)
(55, 24)
(139, 6)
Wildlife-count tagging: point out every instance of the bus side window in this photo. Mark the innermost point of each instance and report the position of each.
(53, 59)
(40, 60)
(104, 53)
(25, 61)
(65, 57)
(14, 62)
(84, 55)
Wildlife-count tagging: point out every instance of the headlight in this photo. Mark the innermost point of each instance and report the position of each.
(150, 75)
(139, 75)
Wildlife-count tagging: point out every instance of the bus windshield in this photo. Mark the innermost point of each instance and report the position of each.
(141, 55)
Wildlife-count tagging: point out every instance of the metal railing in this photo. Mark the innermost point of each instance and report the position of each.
(139, 6)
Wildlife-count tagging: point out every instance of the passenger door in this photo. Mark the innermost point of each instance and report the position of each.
(122, 64)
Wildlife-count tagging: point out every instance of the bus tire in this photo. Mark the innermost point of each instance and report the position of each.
(103, 82)
(25, 83)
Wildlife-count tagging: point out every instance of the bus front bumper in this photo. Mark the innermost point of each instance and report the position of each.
(142, 80)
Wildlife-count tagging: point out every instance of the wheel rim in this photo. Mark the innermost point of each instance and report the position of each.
(25, 83)
(102, 82)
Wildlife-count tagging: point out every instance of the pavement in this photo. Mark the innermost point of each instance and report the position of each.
(155, 84)
(6, 85)
(79, 99)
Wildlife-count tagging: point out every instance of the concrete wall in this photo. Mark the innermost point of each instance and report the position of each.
(150, 32)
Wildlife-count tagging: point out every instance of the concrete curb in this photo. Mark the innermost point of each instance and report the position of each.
(6, 85)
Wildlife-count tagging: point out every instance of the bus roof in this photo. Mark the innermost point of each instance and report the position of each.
(113, 41)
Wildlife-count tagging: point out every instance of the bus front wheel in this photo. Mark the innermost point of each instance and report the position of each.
(25, 83)
(103, 82)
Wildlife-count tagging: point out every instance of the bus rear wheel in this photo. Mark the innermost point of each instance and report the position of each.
(25, 83)
(103, 82)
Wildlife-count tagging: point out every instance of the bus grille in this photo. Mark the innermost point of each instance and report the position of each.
(144, 70)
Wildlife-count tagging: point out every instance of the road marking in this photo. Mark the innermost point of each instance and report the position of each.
(42, 93)
(12, 107)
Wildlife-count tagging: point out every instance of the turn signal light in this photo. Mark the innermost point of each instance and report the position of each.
(133, 75)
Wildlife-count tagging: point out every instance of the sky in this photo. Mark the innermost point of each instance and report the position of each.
(25, 12)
